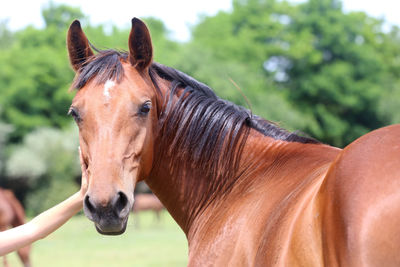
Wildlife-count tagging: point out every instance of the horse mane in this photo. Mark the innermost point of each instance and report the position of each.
(199, 128)
(204, 130)
(263, 126)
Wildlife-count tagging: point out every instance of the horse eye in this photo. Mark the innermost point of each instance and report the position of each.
(145, 108)
(74, 113)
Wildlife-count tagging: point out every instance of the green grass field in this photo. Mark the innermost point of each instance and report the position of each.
(78, 244)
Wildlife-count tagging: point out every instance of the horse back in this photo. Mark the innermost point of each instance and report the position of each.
(360, 201)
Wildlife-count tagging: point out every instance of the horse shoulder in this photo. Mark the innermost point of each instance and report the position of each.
(270, 222)
(291, 235)
(361, 202)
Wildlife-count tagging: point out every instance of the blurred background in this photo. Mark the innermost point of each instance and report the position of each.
(328, 68)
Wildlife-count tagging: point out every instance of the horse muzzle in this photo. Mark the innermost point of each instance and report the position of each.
(111, 217)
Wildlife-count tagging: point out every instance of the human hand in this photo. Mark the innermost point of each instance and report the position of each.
(84, 183)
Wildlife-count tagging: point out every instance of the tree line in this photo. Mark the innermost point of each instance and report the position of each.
(312, 67)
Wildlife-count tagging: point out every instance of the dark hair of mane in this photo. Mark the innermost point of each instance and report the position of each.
(265, 127)
(199, 128)
(103, 66)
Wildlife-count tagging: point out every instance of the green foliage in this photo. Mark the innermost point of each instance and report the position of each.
(342, 85)
(333, 67)
(61, 15)
(48, 159)
(34, 87)
(238, 83)
(34, 78)
(165, 50)
(6, 36)
(5, 130)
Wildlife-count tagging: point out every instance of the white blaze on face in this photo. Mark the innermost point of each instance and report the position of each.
(107, 87)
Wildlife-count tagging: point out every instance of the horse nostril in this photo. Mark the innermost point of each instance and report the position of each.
(121, 202)
(88, 205)
(118, 207)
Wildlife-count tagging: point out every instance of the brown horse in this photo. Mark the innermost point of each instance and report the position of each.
(147, 202)
(244, 191)
(11, 215)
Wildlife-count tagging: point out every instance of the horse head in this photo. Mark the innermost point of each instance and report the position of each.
(115, 110)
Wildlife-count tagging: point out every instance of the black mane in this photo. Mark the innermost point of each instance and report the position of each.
(265, 127)
(202, 129)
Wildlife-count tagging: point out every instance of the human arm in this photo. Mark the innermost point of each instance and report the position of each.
(40, 226)
(45, 223)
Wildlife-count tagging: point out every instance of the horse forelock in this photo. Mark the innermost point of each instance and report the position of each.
(102, 67)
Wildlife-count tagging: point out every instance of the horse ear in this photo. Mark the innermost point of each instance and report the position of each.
(78, 46)
(140, 48)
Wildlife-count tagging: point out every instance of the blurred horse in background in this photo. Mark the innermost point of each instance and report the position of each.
(11, 215)
(147, 202)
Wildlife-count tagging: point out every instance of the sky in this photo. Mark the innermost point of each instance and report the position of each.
(178, 15)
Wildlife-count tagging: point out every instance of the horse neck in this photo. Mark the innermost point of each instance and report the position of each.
(189, 191)
(192, 195)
